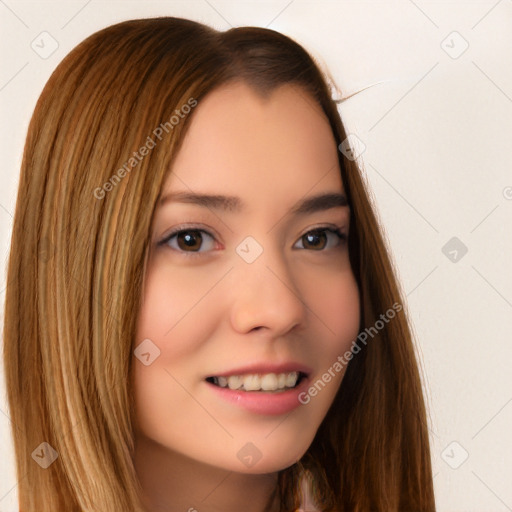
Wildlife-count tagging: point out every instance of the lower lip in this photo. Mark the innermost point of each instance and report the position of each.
(261, 402)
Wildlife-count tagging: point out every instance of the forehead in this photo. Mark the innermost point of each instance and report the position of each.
(240, 142)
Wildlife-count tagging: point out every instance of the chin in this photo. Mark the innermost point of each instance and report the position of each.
(270, 458)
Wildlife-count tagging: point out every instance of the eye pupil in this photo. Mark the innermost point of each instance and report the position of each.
(313, 237)
(186, 240)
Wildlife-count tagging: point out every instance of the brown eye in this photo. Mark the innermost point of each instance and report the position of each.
(189, 241)
(315, 240)
(318, 239)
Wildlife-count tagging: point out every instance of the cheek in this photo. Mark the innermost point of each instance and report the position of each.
(170, 311)
(347, 315)
(177, 317)
(338, 310)
(169, 318)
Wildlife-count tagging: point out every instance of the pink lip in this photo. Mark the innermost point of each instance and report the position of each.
(263, 402)
(260, 368)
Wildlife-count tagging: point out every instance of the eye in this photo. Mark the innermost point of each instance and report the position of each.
(317, 239)
(194, 241)
(189, 240)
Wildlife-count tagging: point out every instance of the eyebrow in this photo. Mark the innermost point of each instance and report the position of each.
(313, 204)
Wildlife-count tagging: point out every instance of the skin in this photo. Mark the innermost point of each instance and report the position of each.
(212, 311)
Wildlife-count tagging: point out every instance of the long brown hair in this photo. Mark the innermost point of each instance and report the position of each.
(75, 274)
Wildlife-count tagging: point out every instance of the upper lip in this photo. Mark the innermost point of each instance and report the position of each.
(254, 368)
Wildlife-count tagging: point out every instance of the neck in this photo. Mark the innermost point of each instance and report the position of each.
(175, 483)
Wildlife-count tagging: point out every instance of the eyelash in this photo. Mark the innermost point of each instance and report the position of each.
(184, 229)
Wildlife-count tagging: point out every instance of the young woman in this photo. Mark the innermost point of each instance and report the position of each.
(201, 313)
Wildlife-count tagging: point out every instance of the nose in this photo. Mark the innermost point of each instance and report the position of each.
(266, 297)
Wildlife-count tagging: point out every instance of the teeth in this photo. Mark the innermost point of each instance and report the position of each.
(251, 382)
(268, 382)
(234, 382)
(257, 382)
(291, 379)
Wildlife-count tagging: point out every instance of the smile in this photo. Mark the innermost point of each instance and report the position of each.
(271, 382)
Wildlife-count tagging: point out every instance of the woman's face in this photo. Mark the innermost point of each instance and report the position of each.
(259, 284)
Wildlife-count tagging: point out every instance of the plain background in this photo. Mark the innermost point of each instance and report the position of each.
(437, 129)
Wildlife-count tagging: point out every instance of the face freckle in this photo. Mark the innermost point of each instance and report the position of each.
(242, 284)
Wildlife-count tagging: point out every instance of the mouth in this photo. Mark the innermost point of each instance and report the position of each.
(258, 382)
